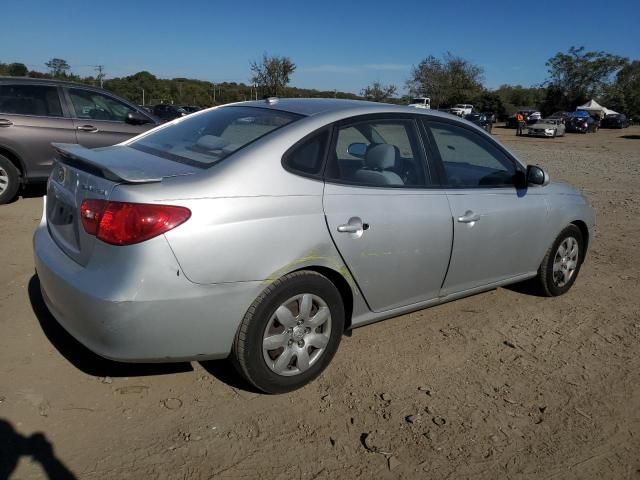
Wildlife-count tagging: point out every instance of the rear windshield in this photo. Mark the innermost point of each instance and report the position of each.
(205, 139)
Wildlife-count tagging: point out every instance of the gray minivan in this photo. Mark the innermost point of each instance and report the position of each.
(36, 112)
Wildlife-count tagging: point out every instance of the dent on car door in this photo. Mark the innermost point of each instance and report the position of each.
(393, 232)
(99, 119)
(498, 227)
(31, 118)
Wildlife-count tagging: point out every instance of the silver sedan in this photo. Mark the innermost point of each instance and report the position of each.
(267, 230)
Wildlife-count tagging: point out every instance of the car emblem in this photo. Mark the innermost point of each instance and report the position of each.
(61, 174)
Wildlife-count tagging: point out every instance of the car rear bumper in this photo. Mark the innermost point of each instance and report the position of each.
(186, 321)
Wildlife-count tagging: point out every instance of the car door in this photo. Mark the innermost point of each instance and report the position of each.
(31, 117)
(392, 229)
(498, 228)
(99, 118)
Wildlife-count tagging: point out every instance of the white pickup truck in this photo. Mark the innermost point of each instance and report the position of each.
(420, 102)
(462, 109)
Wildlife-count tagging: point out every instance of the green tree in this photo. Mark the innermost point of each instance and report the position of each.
(446, 81)
(58, 67)
(489, 102)
(580, 75)
(17, 70)
(272, 74)
(624, 94)
(376, 92)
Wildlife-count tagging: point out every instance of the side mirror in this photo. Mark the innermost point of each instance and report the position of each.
(537, 176)
(137, 118)
(357, 149)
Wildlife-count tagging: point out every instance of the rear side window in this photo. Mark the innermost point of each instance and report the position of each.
(307, 156)
(206, 138)
(39, 100)
(377, 153)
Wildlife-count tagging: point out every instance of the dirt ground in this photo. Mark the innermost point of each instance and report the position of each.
(504, 384)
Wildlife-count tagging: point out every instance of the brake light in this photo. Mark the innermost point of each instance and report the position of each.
(123, 223)
(91, 213)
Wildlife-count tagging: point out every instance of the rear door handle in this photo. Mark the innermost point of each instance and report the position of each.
(5, 123)
(346, 228)
(355, 227)
(469, 217)
(87, 128)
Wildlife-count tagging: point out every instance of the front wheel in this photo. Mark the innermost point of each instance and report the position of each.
(290, 333)
(561, 265)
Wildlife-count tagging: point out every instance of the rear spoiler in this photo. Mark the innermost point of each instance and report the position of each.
(120, 163)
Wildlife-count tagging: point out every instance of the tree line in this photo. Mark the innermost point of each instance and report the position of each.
(573, 78)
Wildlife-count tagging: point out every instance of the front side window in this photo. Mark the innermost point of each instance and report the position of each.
(206, 138)
(469, 160)
(92, 105)
(378, 153)
(39, 100)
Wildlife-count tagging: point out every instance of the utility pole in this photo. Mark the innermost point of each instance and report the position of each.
(142, 96)
(100, 76)
(214, 93)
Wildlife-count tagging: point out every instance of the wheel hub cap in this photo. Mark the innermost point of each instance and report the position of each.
(565, 261)
(296, 335)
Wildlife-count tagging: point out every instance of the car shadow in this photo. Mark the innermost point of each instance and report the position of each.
(84, 359)
(225, 372)
(34, 190)
(13, 446)
(630, 137)
(528, 287)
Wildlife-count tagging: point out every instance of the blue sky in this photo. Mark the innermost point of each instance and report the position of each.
(342, 45)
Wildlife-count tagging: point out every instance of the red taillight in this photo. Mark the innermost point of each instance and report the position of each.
(121, 223)
(91, 213)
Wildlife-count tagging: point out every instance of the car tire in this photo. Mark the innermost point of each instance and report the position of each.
(557, 272)
(302, 347)
(9, 180)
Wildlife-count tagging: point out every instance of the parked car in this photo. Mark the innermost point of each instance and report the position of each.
(491, 116)
(561, 115)
(34, 113)
(420, 102)
(548, 127)
(169, 112)
(581, 122)
(191, 108)
(481, 120)
(617, 120)
(462, 109)
(533, 117)
(266, 230)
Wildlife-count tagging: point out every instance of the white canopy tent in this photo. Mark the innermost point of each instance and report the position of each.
(593, 107)
(609, 112)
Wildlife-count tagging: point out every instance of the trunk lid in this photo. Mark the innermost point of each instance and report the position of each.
(79, 173)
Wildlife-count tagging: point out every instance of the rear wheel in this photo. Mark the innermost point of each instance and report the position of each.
(9, 180)
(290, 333)
(561, 264)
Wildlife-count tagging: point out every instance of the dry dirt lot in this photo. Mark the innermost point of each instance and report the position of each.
(501, 385)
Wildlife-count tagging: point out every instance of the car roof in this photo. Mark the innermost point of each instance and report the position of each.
(47, 81)
(316, 106)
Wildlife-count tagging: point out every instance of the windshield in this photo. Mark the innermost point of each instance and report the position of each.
(205, 139)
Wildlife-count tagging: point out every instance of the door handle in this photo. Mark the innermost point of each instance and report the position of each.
(469, 217)
(5, 123)
(87, 128)
(355, 227)
(346, 228)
